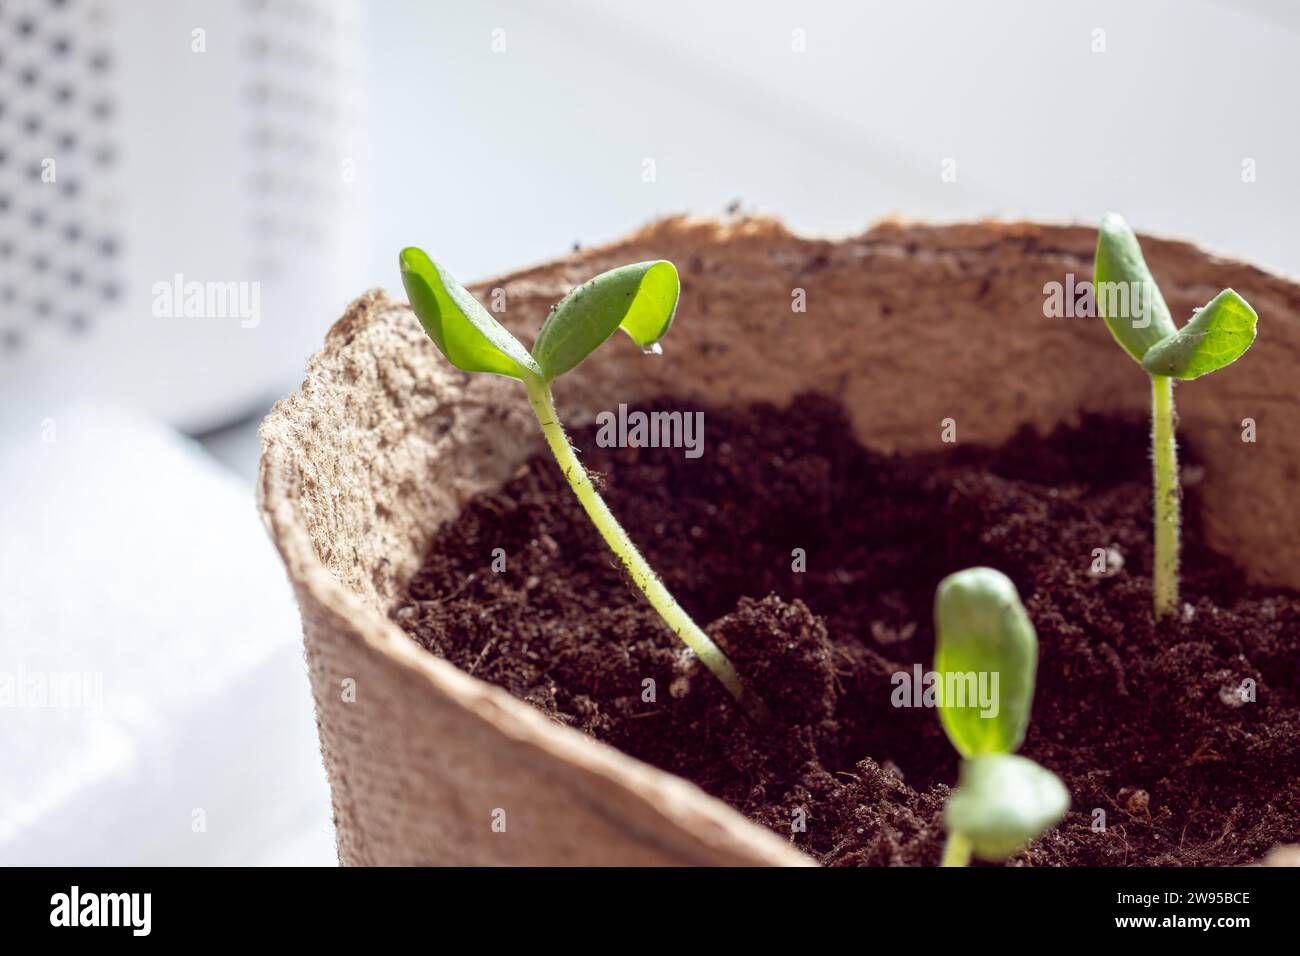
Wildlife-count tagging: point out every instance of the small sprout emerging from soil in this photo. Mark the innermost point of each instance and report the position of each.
(640, 299)
(1002, 800)
(1216, 335)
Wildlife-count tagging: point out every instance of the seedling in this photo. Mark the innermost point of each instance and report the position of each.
(1216, 335)
(641, 299)
(1002, 800)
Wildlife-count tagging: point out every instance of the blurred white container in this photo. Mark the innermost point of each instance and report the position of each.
(145, 141)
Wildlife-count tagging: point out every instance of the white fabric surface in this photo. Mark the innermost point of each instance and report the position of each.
(128, 555)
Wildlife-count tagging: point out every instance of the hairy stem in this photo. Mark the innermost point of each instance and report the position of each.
(956, 852)
(1164, 454)
(649, 583)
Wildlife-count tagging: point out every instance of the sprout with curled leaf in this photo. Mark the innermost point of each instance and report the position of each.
(1218, 334)
(1002, 800)
(641, 299)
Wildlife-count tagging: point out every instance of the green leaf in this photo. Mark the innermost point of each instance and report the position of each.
(983, 639)
(1126, 295)
(1217, 335)
(463, 330)
(640, 298)
(1002, 802)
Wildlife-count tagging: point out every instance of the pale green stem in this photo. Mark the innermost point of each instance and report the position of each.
(1164, 453)
(956, 852)
(649, 583)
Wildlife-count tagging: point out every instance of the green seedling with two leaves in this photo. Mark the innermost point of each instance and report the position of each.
(1216, 335)
(1002, 800)
(641, 299)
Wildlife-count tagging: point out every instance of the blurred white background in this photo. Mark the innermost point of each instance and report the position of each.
(502, 159)
(496, 135)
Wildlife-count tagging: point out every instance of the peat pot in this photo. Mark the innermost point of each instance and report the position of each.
(906, 325)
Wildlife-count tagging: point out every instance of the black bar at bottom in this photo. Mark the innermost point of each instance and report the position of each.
(535, 905)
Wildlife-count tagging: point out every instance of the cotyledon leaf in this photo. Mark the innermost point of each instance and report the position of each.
(1126, 295)
(464, 331)
(1217, 335)
(1002, 802)
(641, 299)
(983, 640)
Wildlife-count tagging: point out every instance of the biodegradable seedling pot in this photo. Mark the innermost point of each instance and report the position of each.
(385, 443)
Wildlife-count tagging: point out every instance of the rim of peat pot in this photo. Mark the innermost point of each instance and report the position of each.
(385, 442)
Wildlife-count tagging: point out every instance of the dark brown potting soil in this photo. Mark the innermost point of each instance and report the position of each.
(1146, 724)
